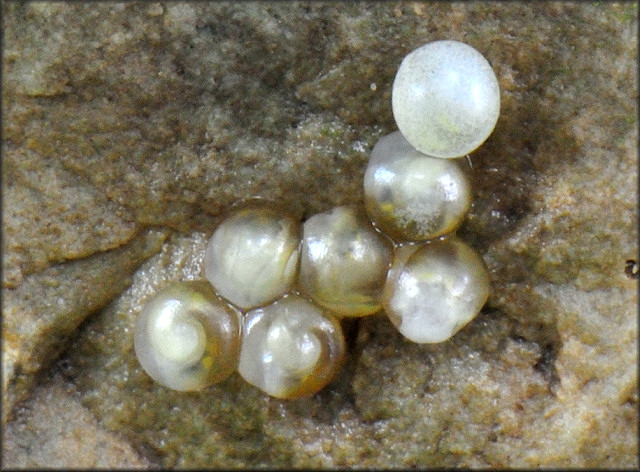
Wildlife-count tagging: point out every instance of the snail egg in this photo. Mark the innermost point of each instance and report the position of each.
(344, 262)
(445, 98)
(412, 196)
(252, 257)
(434, 289)
(290, 348)
(186, 338)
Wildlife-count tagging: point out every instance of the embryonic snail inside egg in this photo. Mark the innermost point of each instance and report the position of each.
(344, 262)
(186, 337)
(445, 98)
(411, 196)
(252, 257)
(290, 348)
(434, 289)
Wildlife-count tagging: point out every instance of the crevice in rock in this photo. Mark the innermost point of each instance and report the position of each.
(547, 366)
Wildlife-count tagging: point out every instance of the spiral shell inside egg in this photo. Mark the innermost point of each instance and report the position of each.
(344, 262)
(186, 338)
(434, 289)
(412, 196)
(252, 257)
(290, 348)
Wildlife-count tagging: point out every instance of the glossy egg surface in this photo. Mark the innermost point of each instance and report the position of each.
(434, 289)
(344, 262)
(290, 348)
(252, 256)
(186, 337)
(411, 196)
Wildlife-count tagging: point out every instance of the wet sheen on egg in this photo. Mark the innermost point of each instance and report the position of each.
(294, 282)
(434, 289)
(186, 338)
(411, 196)
(290, 348)
(344, 262)
(252, 257)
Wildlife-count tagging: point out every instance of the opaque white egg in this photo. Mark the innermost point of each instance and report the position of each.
(445, 98)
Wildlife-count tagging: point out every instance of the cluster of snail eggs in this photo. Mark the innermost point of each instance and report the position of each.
(276, 289)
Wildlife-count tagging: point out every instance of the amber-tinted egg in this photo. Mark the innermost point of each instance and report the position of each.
(290, 348)
(411, 196)
(344, 262)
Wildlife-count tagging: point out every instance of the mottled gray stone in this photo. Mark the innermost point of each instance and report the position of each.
(119, 116)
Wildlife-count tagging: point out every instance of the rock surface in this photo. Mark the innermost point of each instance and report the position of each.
(53, 430)
(130, 128)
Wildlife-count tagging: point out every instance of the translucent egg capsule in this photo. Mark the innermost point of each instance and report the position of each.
(252, 257)
(290, 348)
(186, 338)
(434, 289)
(411, 196)
(344, 262)
(445, 98)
